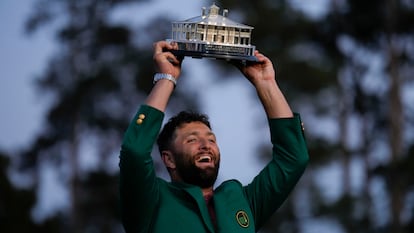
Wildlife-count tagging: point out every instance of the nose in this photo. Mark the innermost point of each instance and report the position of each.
(204, 144)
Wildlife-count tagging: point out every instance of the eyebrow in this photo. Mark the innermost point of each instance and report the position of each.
(196, 133)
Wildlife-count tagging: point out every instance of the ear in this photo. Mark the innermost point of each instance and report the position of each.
(168, 159)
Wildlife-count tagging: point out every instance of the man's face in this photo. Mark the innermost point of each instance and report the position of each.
(196, 154)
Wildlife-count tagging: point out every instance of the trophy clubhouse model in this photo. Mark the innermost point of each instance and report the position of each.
(214, 36)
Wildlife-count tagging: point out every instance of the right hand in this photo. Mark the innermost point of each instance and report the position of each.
(164, 60)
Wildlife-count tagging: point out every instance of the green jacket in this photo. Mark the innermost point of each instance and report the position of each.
(151, 204)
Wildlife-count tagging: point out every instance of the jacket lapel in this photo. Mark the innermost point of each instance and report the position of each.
(197, 195)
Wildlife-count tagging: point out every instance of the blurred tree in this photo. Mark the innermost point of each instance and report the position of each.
(382, 29)
(96, 80)
(347, 67)
(328, 62)
(14, 203)
(307, 61)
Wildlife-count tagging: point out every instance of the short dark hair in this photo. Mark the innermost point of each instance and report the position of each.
(166, 135)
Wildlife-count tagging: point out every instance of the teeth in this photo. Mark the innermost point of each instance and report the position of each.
(204, 159)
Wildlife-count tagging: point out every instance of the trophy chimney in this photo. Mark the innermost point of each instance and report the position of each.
(203, 12)
(225, 13)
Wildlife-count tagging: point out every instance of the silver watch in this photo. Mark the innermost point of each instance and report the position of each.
(159, 76)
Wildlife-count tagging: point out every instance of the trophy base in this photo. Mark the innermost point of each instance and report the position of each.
(227, 57)
(197, 49)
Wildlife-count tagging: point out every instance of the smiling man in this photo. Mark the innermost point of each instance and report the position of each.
(189, 150)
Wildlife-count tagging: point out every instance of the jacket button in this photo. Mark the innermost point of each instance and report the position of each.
(140, 119)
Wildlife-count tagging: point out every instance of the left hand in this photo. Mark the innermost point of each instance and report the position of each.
(255, 72)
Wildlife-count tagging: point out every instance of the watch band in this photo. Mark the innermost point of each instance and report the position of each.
(159, 76)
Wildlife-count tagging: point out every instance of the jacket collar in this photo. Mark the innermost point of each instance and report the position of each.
(197, 195)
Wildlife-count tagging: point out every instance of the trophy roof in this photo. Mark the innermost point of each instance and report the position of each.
(213, 18)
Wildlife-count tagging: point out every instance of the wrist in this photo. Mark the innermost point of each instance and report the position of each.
(160, 76)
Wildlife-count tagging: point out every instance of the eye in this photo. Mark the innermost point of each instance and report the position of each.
(190, 140)
(212, 140)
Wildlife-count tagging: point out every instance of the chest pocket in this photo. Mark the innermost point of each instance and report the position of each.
(232, 209)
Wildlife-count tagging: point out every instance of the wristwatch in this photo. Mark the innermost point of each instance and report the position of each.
(159, 76)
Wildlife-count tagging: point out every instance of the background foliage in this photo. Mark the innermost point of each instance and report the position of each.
(347, 70)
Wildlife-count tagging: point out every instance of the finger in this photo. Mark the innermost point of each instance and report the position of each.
(260, 57)
(172, 59)
(174, 45)
(157, 49)
(160, 46)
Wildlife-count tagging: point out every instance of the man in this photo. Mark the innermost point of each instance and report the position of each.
(189, 203)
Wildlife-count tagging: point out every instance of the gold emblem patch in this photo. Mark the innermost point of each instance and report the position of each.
(242, 218)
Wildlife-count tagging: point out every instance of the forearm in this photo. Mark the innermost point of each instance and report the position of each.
(166, 63)
(160, 94)
(272, 99)
(262, 75)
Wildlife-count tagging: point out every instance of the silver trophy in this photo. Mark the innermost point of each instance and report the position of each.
(214, 36)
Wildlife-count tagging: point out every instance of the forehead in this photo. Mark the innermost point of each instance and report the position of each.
(192, 127)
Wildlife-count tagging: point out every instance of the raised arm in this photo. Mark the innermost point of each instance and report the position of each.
(165, 63)
(273, 184)
(137, 172)
(262, 76)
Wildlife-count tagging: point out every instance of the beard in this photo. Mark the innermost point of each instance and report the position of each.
(192, 174)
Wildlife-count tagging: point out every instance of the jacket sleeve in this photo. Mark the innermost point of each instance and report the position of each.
(138, 182)
(270, 188)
